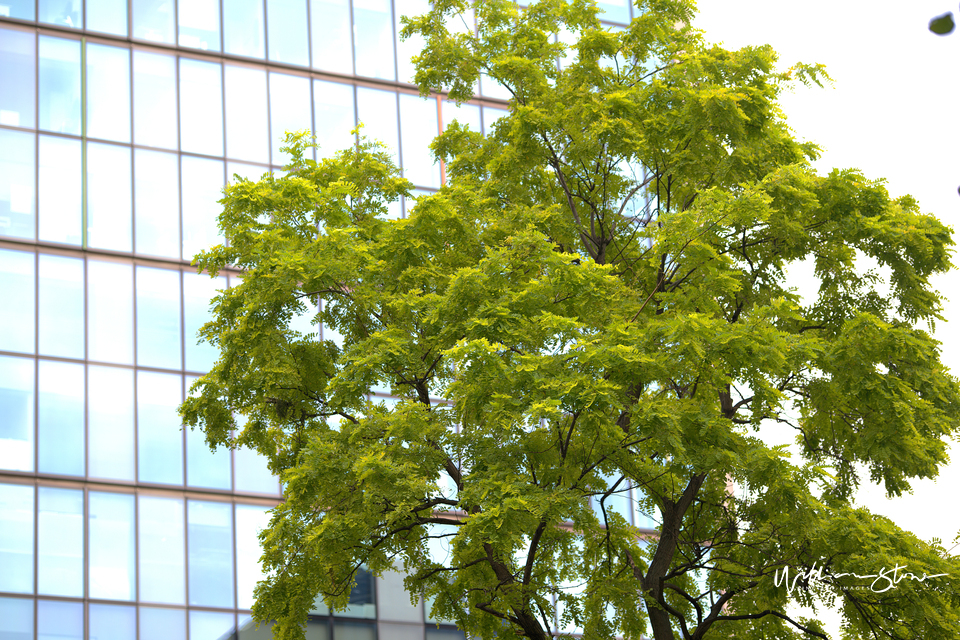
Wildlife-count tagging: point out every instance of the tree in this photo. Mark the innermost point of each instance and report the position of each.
(598, 299)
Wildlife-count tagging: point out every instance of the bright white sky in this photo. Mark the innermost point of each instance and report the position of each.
(892, 114)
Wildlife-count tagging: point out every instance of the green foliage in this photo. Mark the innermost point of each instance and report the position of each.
(597, 299)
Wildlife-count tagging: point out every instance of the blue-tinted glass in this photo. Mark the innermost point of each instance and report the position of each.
(465, 114)
(60, 418)
(153, 20)
(377, 110)
(156, 188)
(109, 197)
(17, 310)
(107, 16)
(287, 35)
(289, 110)
(17, 184)
(61, 190)
(112, 622)
(163, 624)
(334, 116)
(159, 439)
(60, 85)
(67, 13)
(16, 537)
(243, 28)
(158, 318)
(251, 520)
(198, 291)
(59, 620)
(202, 180)
(206, 468)
(252, 474)
(206, 625)
(108, 92)
(22, 9)
(112, 546)
(412, 46)
(16, 414)
(60, 542)
(17, 78)
(109, 312)
(200, 24)
(418, 118)
(162, 575)
(210, 544)
(614, 10)
(154, 100)
(16, 619)
(373, 39)
(490, 117)
(61, 306)
(201, 107)
(330, 34)
(248, 136)
(110, 423)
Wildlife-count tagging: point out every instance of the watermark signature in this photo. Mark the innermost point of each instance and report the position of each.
(881, 582)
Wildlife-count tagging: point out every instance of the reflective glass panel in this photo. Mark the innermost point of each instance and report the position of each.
(16, 619)
(243, 28)
(109, 312)
(17, 78)
(210, 544)
(163, 624)
(418, 117)
(158, 318)
(153, 20)
(289, 110)
(17, 270)
(16, 537)
(201, 184)
(61, 306)
(109, 197)
(252, 474)
(16, 414)
(373, 38)
(206, 468)
(61, 190)
(201, 107)
(330, 33)
(207, 625)
(334, 116)
(17, 185)
(251, 520)
(156, 189)
(110, 422)
(60, 542)
(377, 110)
(112, 622)
(159, 439)
(107, 16)
(66, 13)
(154, 100)
(198, 291)
(412, 46)
(248, 137)
(287, 36)
(200, 24)
(162, 575)
(60, 85)
(108, 92)
(112, 546)
(59, 620)
(60, 418)
(22, 9)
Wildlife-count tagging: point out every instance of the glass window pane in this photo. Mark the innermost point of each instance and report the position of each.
(243, 28)
(17, 77)
(207, 625)
(61, 190)
(200, 24)
(330, 33)
(377, 110)
(108, 92)
(16, 414)
(202, 182)
(418, 118)
(109, 312)
(163, 624)
(60, 418)
(206, 468)
(110, 422)
(60, 542)
(287, 37)
(252, 474)
(109, 197)
(412, 46)
(107, 16)
(17, 312)
(16, 619)
(17, 185)
(289, 110)
(61, 306)
(251, 520)
(248, 137)
(334, 116)
(198, 292)
(158, 318)
(373, 38)
(201, 107)
(210, 544)
(59, 620)
(16, 538)
(110, 622)
(161, 550)
(154, 100)
(21, 9)
(153, 20)
(156, 187)
(159, 438)
(112, 546)
(60, 85)
(67, 13)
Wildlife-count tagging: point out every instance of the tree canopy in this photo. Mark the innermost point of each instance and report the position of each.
(595, 310)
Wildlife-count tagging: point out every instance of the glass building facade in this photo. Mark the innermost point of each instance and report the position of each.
(120, 122)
